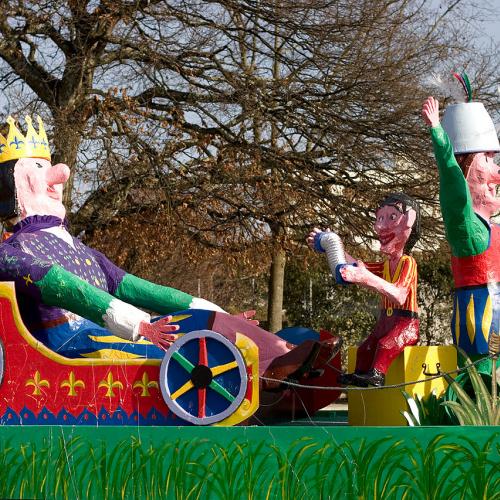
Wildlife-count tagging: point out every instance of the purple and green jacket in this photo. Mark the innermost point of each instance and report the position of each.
(60, 280)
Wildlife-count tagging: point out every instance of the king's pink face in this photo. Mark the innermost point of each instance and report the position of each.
(39, 187)
(393, 228)
(483, 177)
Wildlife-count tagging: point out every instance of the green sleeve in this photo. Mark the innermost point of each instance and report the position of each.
(66, 290)
(142, 293)
(466, 233)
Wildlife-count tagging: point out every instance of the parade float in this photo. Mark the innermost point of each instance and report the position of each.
(226, 410)
(136, 428)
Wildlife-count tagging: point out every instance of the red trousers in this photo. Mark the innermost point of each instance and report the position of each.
(389, 337)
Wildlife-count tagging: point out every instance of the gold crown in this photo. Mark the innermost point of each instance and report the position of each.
(33, 145)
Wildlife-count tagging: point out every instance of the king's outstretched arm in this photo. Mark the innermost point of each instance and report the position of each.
(54, 286)
(142, 293)
(158, 298)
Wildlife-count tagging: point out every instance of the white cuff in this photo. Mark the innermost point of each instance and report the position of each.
(123, 320)
(198, 303)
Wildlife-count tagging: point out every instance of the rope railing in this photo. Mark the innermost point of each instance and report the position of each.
(373, 388)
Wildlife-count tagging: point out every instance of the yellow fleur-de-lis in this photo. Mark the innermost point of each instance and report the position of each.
(37, 382)
(110, 384)
(71, 383)
(145, 384)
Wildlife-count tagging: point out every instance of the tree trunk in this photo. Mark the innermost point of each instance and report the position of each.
(277, 274)
(66, 141)
(276, 284)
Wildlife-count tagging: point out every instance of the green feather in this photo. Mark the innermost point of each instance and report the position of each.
(467, 84)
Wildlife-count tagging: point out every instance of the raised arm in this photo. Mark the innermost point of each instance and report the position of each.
(466, 233)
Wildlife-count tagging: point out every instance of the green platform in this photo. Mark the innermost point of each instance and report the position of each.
(282, 462)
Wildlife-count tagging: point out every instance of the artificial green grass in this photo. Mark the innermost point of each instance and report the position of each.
(382, 463)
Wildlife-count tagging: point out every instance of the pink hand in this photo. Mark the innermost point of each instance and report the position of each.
(157, 332)
(354, 274)
(312, 235)
(248, 315)
(430, 112)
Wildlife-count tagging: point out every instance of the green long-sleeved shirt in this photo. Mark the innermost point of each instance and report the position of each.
(466, 232)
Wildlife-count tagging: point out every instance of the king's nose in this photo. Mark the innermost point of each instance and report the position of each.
(57, 174)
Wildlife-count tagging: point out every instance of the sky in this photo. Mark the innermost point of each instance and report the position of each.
(492, 25)
(488, 30)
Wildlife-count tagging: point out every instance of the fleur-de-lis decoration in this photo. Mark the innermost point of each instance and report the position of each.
(17, 142)
(145, 384)
(110, 384)
(37, 382)
(71, 383)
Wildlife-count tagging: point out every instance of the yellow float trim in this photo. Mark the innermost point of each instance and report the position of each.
(7, 291)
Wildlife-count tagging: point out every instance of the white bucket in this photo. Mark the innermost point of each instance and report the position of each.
(470, 128)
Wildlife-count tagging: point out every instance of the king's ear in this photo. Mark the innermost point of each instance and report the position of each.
(411, 217)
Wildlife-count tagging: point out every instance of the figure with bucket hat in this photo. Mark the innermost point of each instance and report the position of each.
(465, 144)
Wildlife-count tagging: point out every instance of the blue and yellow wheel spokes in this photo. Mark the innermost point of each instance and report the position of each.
(220, 389)
(214, 385)
(218, 370)
(182, 390)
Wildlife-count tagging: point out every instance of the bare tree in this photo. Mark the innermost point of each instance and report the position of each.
(234, 122)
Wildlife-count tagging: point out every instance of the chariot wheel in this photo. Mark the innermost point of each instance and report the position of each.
(203, 377)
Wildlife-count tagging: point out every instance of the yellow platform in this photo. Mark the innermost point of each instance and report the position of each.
(384, 406)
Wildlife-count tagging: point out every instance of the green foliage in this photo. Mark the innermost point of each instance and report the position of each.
(434, 269)
(429, 477)
(420, 479)
(239, 471)
(371, 467)
(481, 409)
(428, 411)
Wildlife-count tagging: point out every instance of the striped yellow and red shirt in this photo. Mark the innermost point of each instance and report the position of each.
(404, 276)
